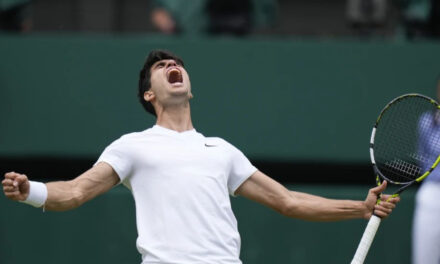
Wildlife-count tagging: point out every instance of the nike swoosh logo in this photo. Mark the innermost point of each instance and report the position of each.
(209, 146)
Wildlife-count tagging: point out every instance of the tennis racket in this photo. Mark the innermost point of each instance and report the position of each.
(396, 151)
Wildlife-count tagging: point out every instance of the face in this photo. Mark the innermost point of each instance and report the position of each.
(170, 83)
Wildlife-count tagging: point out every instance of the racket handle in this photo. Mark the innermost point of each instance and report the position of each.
(367, 239)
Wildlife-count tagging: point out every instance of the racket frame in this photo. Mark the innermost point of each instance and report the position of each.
(374, 222)
(373, 134)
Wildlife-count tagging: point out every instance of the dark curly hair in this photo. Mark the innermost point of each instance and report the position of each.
(145, 75)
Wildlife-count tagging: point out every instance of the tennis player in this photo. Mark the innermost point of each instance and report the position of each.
(181, 180)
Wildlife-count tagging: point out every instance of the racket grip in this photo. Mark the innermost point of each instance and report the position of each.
(367, 239)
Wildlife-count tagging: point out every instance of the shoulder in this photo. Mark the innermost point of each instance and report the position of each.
(131, 138)
(220, 142)
(216, 141)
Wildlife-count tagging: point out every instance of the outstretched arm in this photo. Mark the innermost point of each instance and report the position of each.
(263, 189)
(64, 195)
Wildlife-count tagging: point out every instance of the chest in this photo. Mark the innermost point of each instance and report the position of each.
(175, 160)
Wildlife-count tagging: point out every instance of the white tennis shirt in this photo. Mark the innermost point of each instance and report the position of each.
(181, 184)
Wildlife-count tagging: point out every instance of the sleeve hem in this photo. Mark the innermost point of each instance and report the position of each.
(115, 168)
(240, 182)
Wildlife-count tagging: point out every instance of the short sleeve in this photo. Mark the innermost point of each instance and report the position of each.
(116, 155)
(241, 170)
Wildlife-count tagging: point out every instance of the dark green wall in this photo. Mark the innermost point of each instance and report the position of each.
(279, 99)
(282, 99)
(103, 231)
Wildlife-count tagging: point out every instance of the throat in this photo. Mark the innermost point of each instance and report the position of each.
(177, 119)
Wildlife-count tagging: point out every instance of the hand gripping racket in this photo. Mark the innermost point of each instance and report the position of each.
(397, 153)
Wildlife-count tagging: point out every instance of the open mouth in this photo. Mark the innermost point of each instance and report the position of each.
(174, 76)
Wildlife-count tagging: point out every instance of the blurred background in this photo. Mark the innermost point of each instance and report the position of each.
(295, 84)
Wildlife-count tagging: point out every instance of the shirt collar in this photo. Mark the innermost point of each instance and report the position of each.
(168, 131)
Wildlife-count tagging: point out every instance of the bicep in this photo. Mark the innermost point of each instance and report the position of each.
(97, 180)
(263, 189)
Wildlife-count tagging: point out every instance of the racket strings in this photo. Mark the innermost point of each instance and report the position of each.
(397, 147)
(405, 169)
(419, 157)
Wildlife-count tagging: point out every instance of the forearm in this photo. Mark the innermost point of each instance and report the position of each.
(314, 208)
(62, 196)
(67, 195)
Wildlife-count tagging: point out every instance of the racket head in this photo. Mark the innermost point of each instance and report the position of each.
(394, 145)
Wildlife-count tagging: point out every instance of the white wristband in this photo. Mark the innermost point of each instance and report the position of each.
(37, 194)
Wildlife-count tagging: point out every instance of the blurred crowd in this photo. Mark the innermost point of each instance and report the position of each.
(15, 15)
(412, 19)
(211, 16)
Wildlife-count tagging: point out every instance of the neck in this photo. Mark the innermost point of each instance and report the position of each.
(178, 118)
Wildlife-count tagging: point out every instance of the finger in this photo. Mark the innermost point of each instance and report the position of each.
(381, 214)
(388, 205)
(9, 189)
(384, 197)
(380, 208)
(20, 179)
(12, 195)
(390, 198)
(11, 175)
(7, 182)
(379, 189)
(394, 200)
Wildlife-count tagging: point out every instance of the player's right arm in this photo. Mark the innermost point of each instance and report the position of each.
(64, 195)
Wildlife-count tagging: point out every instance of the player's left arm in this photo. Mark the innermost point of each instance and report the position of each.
(262, 189)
